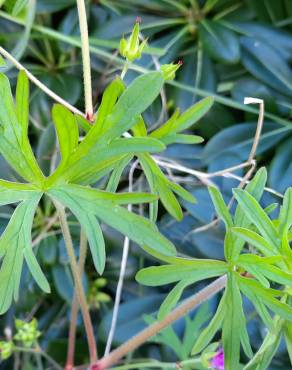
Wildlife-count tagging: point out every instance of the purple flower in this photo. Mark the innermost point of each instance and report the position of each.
(217, 361)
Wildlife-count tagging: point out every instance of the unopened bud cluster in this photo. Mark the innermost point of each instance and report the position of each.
(6, 349)
(168, 70)
(96, 296)
(131, 48)
(27, 332)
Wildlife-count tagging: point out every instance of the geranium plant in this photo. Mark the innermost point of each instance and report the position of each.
(100, 145)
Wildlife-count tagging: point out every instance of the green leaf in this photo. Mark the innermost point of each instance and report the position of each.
(91, 196)
(267, 297)
(219, 42)
(102, 205)
(209, 332)
(67, 131)
(255, 240)
(172, 298)
(262, 266)
(220, 206)
(35, 269)
(288, 338)
(14, 144)
(231, 323)
(22, 101)
(271, 208)
(88, 164)
(159, 184)
(109, 99)
(139, 129)
(182, 139)
(166, 274)
(92, 230)
(256, 188)
(165, 129)
(277, 73)
(285, 217)
(134, 101)
(13, 192)
(268, 349)
(259, 306)
(229, 242)
(83, 123)
(19, 6)
(192, 115)
(209, 5)
(168, 199)
(183, 193)
(179, 123)
(15, 239)
(115, 177)
(257, 216)
(252, 269)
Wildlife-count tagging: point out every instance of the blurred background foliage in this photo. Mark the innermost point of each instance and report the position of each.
(230, 49)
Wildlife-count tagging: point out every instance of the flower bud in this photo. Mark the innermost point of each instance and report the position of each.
(6, 349)
(96, 296)
(131, 48)
(27, 332)
(168, 70)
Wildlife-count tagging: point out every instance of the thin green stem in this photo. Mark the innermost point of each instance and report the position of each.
(85, 58)
(77, 282)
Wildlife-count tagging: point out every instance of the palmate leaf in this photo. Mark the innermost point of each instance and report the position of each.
(114, 117)
(169, 131)
(15, 245)
(123, 115)
(234, 240)
(87, 165)
(173, 297)
(255, 240)
(195, 270)
(265, 267)
(67, 131)
(159, 184)
(234, 330)
(106, 207)
(267, 296)
(220, 206)
(209, 332)
(14, 144)
(109, 99)
(257, 216)
(116, 174)
(12, 192)
(268, 349)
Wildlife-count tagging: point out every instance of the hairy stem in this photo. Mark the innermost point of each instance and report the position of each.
(160, 365)
(78, 283)
(85, 58)
(189, 304)
(75, 305)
